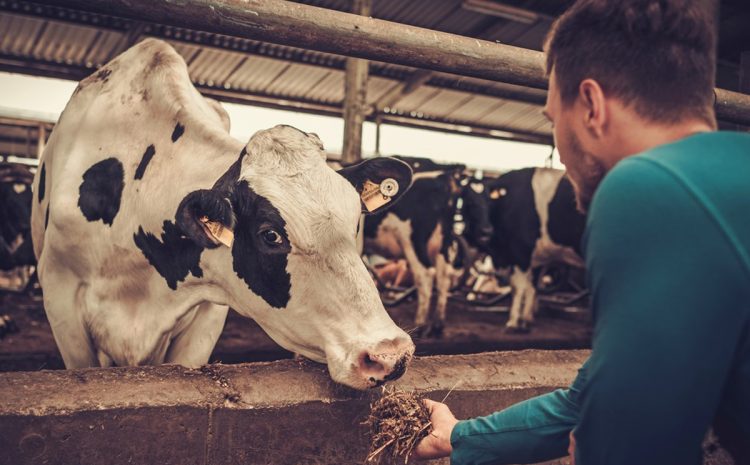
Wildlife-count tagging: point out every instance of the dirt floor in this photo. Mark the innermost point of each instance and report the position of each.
(466, 331)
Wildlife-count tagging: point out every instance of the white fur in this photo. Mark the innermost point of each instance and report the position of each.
(106, 303)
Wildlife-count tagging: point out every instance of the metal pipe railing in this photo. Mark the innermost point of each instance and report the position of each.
(325, 30)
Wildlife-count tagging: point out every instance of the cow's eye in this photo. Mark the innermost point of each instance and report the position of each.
(271, 237)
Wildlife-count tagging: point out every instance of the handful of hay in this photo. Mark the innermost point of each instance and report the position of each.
(397, 421)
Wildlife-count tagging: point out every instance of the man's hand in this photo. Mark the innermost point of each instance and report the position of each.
(572, 449)
(438, 443)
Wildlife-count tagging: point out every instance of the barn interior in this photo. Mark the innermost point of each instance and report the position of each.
(63, 40)
(52, 39)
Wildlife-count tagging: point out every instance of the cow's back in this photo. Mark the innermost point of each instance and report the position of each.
(120, 158)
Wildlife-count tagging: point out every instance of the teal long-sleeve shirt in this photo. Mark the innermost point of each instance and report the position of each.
(667, 249)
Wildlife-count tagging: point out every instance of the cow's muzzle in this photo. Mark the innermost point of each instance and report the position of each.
(387, 362)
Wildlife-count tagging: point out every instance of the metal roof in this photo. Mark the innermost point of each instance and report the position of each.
(58, 42)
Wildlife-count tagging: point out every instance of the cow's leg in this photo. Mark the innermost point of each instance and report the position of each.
(64, 302)
(529, 306)
(443, 281)
(193, 345)
(424, 279)
(520, 282)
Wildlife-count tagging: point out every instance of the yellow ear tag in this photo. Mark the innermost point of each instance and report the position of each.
(219, 233)
(373, 197)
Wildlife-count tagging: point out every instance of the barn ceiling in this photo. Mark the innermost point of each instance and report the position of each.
(51, 41)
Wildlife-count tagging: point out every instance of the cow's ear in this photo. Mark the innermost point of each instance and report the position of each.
(380, 182)
(206, 217)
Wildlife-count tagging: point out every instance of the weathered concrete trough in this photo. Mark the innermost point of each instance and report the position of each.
(286, 412)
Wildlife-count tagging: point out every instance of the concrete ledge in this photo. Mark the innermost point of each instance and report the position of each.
(284, 412)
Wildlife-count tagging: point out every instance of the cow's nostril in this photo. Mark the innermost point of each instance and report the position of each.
(369, 362)
(371, 367)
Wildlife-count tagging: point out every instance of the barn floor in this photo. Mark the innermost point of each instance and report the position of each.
(467, 331)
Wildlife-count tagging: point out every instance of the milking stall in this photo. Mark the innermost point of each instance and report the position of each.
(288, 232)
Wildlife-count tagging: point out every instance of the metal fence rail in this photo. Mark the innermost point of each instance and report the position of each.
(325, 30)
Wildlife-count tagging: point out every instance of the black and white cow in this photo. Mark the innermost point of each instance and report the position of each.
(535, 222)
(149, 220)
(420, 229)
(15, 217)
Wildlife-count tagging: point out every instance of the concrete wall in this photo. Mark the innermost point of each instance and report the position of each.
(286, 412)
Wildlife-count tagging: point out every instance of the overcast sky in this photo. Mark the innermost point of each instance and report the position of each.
(49, 96)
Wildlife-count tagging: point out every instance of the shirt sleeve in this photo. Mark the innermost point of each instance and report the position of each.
(531, 431)
(666, 291)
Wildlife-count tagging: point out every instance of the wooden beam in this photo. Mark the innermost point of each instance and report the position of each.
(355, 97)
(325, 30)
(745, 72)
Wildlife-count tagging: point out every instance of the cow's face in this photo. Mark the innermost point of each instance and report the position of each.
(292, 263)
(476, 212)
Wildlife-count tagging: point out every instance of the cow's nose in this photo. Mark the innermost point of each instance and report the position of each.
(386, 362)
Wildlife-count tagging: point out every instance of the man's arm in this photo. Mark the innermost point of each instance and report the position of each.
(531, 431)
(666, 285)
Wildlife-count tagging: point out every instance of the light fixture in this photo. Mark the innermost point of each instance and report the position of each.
(493, 8)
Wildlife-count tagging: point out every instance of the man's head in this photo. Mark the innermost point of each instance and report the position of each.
(626, 75)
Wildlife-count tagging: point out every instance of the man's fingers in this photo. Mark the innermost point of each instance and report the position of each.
(430, 404)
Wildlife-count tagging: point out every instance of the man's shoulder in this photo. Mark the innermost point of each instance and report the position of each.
(705, 164)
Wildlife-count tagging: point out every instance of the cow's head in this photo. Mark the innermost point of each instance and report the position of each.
(476, 212)
(282, 226)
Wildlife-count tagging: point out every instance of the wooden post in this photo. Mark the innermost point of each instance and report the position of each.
(355, 97)
(378, 122)
(41, 140)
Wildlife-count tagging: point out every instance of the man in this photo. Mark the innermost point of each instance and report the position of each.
(667, 250)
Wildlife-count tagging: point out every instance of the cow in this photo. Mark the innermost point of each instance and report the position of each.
(16, 251)
(420, 228)
(149, 221)
(535, 222)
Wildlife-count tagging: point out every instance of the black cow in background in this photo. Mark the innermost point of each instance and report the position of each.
(535, 223)
(420, 228)
(16, 249)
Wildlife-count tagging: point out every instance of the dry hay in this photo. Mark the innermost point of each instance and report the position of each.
(397, 422)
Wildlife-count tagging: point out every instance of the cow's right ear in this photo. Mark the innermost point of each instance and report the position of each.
(206, 217)
(380, 182)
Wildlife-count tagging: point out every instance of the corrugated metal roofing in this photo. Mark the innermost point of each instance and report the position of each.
(49, 40)
(83, 42)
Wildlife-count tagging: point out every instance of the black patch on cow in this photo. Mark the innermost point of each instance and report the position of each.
(514, 218)
(42, 181)
(174, 256)
(565, 223)
(100, 191)
(227, 182)
(103, 75)
(145, 159)
(179, 130)
(46, 217)
(260, 265)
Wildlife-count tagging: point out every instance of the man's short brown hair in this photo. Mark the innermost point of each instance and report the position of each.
(657, 55)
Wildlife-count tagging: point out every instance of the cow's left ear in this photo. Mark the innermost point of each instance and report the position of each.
(206, 217)
(380, 182)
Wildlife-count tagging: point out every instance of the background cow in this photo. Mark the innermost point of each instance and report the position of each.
(149, 220)
(421, 229)
(535, 222)
(16, 251)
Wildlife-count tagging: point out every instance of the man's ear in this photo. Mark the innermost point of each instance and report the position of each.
(380, 182)
(206, 217)
(592, 97)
